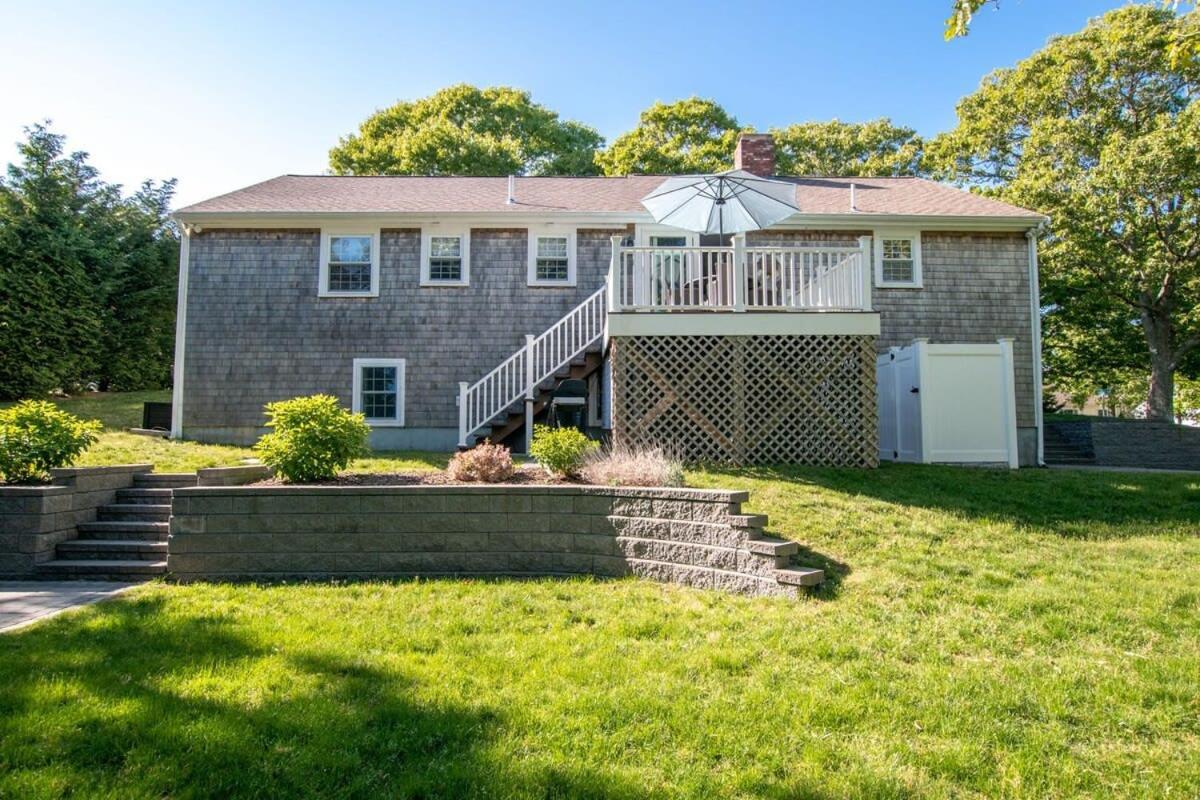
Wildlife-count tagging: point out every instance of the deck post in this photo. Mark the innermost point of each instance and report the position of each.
(462, 414)
(529, 366)
(614, 274)
(868, 270)
(739, 272)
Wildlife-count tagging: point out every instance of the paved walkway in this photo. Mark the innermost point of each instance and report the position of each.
(24, 602)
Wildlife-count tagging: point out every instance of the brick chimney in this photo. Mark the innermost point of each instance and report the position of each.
(755, 153)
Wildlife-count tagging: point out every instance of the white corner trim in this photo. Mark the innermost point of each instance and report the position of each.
(185, 252)
(464, 235)
(1035, 323)
(401, 383)
(879, 234)
(323, 272)
(552, 230)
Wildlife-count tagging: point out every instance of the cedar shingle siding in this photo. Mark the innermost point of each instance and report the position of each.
(257, 332)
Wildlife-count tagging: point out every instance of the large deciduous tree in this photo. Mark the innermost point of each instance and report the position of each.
(684, 137)
(1100, 130)
(87, 277)
(876, 148)
(465, 130)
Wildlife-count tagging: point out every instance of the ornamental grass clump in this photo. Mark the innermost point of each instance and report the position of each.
(560, 450)
(313, 438)
(627, 466)
(483, 463)
(37, 436)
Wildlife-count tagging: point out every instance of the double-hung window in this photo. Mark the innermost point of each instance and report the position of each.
(552, 258)
(445, 257)
(898, 259)
(349, 265)
(379, 390)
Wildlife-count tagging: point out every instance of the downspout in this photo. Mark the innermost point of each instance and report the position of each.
(185, 242)
(1035, 308)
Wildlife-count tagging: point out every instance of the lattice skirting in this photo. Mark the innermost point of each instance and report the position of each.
(748, 399)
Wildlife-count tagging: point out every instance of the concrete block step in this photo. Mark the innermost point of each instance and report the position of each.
(164, 480)
(771, 546)
(95, 569)
(110, 529)
(799, 576)
(111, 549)
(148, 496)
(133, 512)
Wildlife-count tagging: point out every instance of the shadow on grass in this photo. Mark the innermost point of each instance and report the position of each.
(1076, 504)
(139, 700)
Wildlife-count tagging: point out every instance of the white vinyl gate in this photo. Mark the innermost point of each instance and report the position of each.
(947, 403)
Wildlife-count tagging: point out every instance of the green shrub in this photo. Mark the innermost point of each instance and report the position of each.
(313, 438)
(559, 450)
(36, 436)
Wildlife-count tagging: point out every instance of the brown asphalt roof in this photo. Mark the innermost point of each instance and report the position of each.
(305, 194)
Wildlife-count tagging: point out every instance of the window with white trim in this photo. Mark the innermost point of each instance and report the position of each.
(445, 257)
(349, 265)
(552, 258)
(379, 390)
(898, 259)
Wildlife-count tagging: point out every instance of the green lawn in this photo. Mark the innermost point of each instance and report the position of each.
(983, 634)
(121, 411)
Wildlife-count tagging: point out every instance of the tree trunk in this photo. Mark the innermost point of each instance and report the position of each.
(1160, 400)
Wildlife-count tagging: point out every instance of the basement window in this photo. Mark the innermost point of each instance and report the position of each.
(379, 390)
(445, 258)
(349, 265)
(898, 259)
(552, 258)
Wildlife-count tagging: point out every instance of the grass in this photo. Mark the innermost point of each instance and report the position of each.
(121, 411)
(982, 634)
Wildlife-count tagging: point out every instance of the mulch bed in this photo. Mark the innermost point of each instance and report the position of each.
(523, 475)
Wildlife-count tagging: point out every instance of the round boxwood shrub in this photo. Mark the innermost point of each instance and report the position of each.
(312, 438)
(37, 436)
(559, 450)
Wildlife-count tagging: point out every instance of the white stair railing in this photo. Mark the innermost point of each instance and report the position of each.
(518, 376)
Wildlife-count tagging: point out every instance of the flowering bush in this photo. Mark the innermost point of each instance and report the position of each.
(559, 450)
(624, 466)
(313, 438)
(37, 436)
(484, 463)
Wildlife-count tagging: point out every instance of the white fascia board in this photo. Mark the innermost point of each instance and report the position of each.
(864, 221)
(749, 323)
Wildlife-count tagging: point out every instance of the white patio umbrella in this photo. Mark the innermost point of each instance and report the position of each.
(728, 202)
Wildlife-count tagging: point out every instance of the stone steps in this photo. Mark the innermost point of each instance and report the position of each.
(133, 512)
(112, 549)
(102, 569)
(164, 480)
(114, 529)
(152, 497)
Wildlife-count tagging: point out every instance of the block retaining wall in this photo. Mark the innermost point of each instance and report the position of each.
(694, 537)
(33, 519)
(1134, 442)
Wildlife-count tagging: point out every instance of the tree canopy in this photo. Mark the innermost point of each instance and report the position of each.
(464, 130)
(687, 136)
(87, 276)
(848, 148)
(1100, 130)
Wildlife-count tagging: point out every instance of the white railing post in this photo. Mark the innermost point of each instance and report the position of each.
(529, 366)
(739, 272)
(867, 265)
(462, 413)
(614, 275)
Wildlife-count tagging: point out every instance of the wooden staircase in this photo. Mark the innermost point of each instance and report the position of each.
(580, 368)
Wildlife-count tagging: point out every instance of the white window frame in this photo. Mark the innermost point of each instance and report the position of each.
(572, 246)
(912, 235)
(323, 272)
(401, 385)
(644, 233)
(464, 236)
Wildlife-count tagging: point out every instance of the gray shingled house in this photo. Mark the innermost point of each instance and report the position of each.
(445, 308)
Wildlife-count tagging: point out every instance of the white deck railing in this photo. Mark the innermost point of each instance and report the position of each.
(740, 278)
(518, 376)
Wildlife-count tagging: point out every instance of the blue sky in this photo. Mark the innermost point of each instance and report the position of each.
(224, 94)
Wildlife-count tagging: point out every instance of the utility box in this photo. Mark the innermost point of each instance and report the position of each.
(948, 403)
